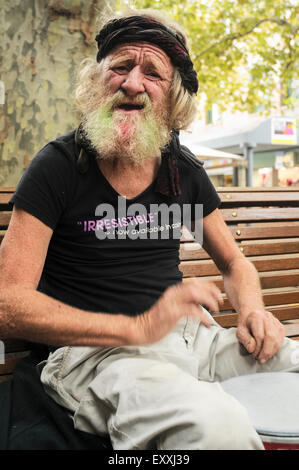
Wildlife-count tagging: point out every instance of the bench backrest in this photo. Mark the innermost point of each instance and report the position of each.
(265, 225)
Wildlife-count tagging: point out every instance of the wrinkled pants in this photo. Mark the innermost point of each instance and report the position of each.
(166, 395)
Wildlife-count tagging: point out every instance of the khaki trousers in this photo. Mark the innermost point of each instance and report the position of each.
(163, 396)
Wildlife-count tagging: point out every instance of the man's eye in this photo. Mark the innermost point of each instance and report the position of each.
(121, 69)
(154, 75)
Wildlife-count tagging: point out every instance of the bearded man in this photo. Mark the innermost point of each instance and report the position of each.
(133, 354)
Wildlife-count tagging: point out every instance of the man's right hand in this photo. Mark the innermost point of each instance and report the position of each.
(184, 299)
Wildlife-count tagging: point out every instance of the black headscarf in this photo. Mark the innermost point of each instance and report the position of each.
(140, 28)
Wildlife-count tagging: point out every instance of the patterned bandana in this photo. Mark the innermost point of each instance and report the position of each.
(138, 28)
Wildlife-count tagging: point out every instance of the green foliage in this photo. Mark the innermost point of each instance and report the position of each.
(242, 49)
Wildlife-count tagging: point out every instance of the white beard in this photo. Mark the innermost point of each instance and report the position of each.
(136, 136)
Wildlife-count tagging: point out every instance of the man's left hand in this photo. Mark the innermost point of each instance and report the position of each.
(261, 334)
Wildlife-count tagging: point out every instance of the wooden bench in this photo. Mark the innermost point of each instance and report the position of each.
(265, 225)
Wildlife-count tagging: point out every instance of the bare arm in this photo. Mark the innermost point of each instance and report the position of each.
(31, 315)
(241, 281)
(260, 332)
(28, 314)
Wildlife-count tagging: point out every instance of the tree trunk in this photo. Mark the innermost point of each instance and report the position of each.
(42, 44)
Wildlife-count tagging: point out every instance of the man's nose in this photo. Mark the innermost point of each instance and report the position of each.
(134, 82)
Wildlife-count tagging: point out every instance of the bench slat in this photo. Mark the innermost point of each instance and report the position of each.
(262, 263)
(269, 231)
(5, 198)
(192, 250)
(273, 246)
(7, 189)
(9, 365)
(261, 197)
(271, 297)
(255, 231)
(258, 213)
(268, 280)
(292, 329)
(248, 190)
(283, 313)
(3, 378)
(5, 218)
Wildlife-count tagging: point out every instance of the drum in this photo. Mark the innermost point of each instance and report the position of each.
(272, 402)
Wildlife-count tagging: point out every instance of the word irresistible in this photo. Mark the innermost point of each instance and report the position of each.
(123, 221)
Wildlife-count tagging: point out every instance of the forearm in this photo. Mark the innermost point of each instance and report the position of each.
(242, 286)
(33, 316)
(258, 330)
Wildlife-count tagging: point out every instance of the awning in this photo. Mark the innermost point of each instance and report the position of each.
(207, 153)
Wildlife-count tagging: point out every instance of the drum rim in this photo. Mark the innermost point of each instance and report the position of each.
(278, 438)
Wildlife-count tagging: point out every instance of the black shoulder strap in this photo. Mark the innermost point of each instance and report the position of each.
(83, 160)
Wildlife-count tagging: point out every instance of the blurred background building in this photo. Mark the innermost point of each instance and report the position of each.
(269, 145)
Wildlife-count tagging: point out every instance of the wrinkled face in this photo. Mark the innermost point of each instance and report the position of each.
(130, 115)
(138, 69)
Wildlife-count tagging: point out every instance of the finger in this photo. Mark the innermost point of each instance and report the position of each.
(217, 300)
(268, 349)
(258, 332)
(207, 297)
(204, 318)
(274, 335)
(198, 312)
(210, 304)
(200, 291)
(211, 300)
(215, 293)
(245, 338)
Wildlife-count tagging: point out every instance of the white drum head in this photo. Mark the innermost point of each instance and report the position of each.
(272, 402)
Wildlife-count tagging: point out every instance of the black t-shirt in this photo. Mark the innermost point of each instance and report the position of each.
(103, 256)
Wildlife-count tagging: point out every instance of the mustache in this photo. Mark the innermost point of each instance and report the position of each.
(119, 98)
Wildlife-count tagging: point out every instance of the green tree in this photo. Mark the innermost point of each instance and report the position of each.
(242, 49)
